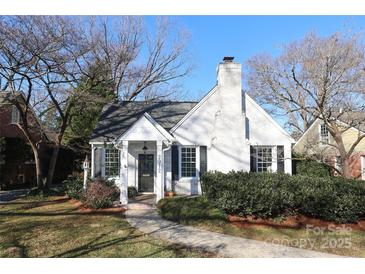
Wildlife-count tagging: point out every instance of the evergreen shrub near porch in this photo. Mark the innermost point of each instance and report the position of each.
(277, 194)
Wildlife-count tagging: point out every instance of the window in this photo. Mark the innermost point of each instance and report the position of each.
(324, 134)
(111, 161)
(264, 159)
(188, 162)
(15, 116)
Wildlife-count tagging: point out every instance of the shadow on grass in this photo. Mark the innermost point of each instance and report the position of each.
(94, 245)
(98, 242)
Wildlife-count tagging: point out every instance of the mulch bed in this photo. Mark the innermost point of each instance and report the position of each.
(81, 208)
(294, 222)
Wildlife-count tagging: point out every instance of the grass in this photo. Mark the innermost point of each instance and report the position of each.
(54, 227)
(199, 212)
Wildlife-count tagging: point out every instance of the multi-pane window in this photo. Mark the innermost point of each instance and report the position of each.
(111, 161)
(324, 134)
(188, 162)
(263, 159)
(15, 115)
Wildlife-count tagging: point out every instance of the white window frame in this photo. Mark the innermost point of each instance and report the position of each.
(197, 161)
(106, 163)
(15, 115)
(273, 158)
(320, 135)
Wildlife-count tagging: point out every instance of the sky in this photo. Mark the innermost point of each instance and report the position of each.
(213, 37)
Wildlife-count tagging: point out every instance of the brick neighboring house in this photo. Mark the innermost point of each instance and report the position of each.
(318, 141)
(17, 167)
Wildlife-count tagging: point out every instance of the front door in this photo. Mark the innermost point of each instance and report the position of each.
(145, 172)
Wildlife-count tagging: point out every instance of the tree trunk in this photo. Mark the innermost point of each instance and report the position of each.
(346, 168)
(38, 167)
(52, 164)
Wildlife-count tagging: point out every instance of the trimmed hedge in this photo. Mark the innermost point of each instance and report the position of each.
(277, 194)
(311, 168)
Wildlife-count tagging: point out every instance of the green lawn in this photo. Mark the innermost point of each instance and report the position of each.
(55, 227)
(200, 213)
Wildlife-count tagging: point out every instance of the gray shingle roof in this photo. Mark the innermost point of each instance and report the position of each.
(117, 118)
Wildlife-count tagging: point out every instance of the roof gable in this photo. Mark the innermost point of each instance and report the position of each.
(118, 118)
(316, 123)
(195, 108)
(145, 129)
(267, 118)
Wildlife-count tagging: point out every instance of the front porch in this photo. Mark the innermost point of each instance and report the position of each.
(145, 166)
(144, 156)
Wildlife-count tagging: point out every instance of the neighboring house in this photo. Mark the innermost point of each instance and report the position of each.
(17, 167)
(317, 142)
(158, 146)
(16, 163)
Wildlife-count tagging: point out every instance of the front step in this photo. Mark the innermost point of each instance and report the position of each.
(140, 206)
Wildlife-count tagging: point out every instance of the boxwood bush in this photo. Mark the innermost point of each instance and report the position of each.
(74, 187)
(311, 168)
(132, 192)
(276, 194)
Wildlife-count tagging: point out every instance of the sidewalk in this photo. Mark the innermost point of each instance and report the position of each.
(9, 195)
(149, 222)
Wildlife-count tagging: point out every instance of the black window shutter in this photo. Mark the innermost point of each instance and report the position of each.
(203, 160)
(280, 157)
(175, 162)
(97, 161)
(252, 159)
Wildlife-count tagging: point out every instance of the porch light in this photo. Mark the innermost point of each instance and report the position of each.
(145, 148)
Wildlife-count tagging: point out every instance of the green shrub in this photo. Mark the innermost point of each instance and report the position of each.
(74, 188)
(276, 194)
(101, 194)
(188, 210)
(332, 199)
(132, 192)
(311, 168)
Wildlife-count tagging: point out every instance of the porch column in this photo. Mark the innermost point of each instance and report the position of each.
(124, 174)
(159, 174)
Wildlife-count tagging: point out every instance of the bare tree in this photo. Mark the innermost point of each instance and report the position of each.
(314, 78)
(141, 64)
(44, 58)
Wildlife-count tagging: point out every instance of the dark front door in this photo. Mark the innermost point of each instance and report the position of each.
(145, 172)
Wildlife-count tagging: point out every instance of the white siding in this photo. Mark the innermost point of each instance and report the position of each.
(219, 123)
(263, 131)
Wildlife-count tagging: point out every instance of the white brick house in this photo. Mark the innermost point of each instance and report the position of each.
(158, 146)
